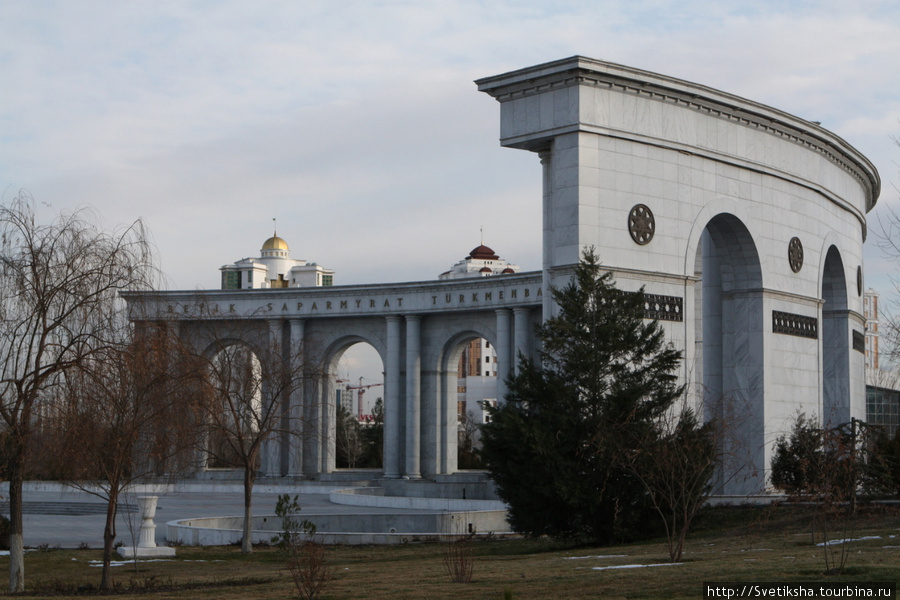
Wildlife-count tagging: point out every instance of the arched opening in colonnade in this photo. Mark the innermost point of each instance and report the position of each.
(356, 381)
(233, 409)
(835, 341)
(729, 367)
(471, 385)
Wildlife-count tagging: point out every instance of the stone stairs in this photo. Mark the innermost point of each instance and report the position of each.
(73, 509)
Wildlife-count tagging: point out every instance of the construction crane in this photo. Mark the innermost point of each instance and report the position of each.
(359, 395)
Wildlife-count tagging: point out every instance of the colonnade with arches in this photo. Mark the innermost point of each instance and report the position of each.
(420, 355)
(743, 224)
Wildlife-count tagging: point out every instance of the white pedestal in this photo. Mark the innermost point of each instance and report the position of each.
(146, 546)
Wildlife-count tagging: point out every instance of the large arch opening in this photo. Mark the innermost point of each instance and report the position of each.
(355, 390)
(470, 374)
(476, 390)
(835, 344)
(234, 410)
(729, 369)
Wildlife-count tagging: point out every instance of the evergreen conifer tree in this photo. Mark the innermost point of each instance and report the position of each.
(558, 447)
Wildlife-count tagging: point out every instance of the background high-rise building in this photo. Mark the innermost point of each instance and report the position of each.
(870, 308)
(882, 384)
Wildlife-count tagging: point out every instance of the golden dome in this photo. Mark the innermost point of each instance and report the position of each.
(275, 243)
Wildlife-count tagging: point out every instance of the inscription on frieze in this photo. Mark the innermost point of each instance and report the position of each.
(303, 303)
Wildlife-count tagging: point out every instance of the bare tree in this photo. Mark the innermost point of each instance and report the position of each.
(349, 443)
(126, 414)
(887, 239)
(359, 445)
(306, 558)
(458, 552)
(676, 464)
(827, 466)
(58, 286)
(244, 405)
(467, 442)
(844, 447)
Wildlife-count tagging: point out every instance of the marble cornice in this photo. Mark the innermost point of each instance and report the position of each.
(773, 294)
(456, 295)
(581, 71)
(633, 275)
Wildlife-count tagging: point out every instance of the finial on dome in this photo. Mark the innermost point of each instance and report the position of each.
(275, 242)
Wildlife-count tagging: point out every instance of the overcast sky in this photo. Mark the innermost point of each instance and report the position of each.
(358, 126)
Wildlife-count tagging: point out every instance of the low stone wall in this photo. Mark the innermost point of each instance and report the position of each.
(282, 485)
(379, 498)
(379, 528)
(465, 486)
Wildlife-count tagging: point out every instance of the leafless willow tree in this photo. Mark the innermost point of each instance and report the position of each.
(58, 299)
(126, 414)
(245, 403)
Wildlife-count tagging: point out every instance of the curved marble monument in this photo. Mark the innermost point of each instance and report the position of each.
(744, 224)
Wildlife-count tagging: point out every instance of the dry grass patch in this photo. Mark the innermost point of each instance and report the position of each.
(740, 544)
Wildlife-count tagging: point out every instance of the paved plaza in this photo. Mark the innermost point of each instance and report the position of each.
(85, 515)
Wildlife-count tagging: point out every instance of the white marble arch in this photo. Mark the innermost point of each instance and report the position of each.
(836, 342)
(729, 180)
(729, 318)
(724, 213)
(742, 212)
(613, 140)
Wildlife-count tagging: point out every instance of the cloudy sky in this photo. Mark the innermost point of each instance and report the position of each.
(357, 123)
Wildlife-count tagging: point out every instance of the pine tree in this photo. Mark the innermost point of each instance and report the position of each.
(558, 448)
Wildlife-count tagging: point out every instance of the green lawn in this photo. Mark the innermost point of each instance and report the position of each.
(728, 544)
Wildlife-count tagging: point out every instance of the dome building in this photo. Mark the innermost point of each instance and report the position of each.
(481, 262)
(274, 269)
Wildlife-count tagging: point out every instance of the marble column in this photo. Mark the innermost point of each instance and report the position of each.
(522, 324)
(449, 421)
(311, 426)
(548, 212)
(393, 430)
(413, 396)
(328, 431)
(294, 427)
(271, 446)
(504, 351)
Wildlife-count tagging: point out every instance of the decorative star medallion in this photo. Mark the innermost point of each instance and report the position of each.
(795, 254)
(641, 224)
